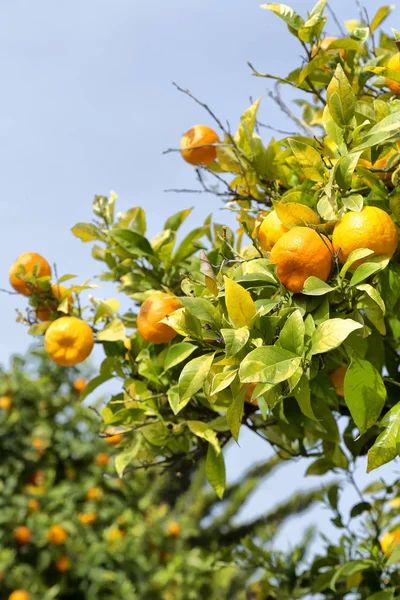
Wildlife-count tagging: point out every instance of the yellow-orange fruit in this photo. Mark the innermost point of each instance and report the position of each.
(57, 535)
(337, 377)
(79, 384)
(371, 228)
(113, 438)
(22, 535)
(19, 595)
(174, 529)
(94, 494)
(102, 459)
(33, 505)
(87, 518)
(5, 403)
(30, 262)
(301, 253)
(62, 564)
(394, 65)
(154, 310)
(381, 163)
(271, 229)
(390, 540)
(115, 534)
(194, 145)
(68, 341)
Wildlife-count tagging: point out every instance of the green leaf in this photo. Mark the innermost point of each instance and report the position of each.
(205, 432)
(124, 458)
(95, 383)
(359, 508)
(215, 471)
(303, 397)
(353, 257)
(382, 13)
(202, 309)
(193, 376)
(268, 364)
(131, 242)
(287, 14)
(177, 219)
(312, 28)
(234, 415)
(244, 136)
(189, 245)
(350, 568)
(340, 97)
(344, 169)
(113, 332)
(364, 393)
(385, 447)
(239, 303)
(177, 353)
(309, 160)
(235, 340)
(330, 334)
(86, 232)
(355, 202)
(222, 380)
(374, 264)
(173, 398)
(373, 294)
(316, 287)
(385, 130)
(291, 337)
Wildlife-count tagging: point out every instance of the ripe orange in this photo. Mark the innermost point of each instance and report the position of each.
(301, 253)
(371, 228)
(174, 529)
(33, 505)
(394, 65)
(193, 145)
(57, 535)
(324, 45)
(87, 518)
(379, 164)
(102, 459)
(249, 393)
(31, 263)
(5, 403)
(22, 535)
(62, 564)
(79, 384)
(68, 341)
(19, 595)
(38, 478)
(115, 439)
(337, 377)
(390, 540)
(115, 534)
(39, 444)
(271, 229)
(152, 311)
(56, 296)
(94, 494)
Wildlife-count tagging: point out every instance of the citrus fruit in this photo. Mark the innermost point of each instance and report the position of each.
(33, 505)
(57, 535)
(324, 45)
(154, 310)
(94, 493)
(62, 564)
(371, 228)
(381, 163)
(28, 263)
(390, 540)
(68, 341)
(337, 378)
(5, 403)
(301, 253)
(19, 595)
(174, 529)
(113, 438)
(249, 392)
(22, 535)
(102, 459)
(271, 229)
(194, 146)
(87, 518)
(394, 65)
(38, 478)
(115, 534)
(56, 296)
(79, 384)
(395, 503)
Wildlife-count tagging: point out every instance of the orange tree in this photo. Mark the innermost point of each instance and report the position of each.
(70, 528)
(288, 324)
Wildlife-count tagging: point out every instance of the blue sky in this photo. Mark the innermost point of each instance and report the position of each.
(88, 106)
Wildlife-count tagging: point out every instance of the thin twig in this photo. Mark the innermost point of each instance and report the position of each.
(338, 24)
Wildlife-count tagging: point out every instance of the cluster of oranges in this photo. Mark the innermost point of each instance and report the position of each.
(68, 340)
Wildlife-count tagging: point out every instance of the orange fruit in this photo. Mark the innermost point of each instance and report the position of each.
(79, 384)
(102, 459)
(249, 392)
(68, 341)
(324, 45)
(379, 164)
(94, 494)
(39, 444)
(19, 595)
(337, 377)
(57, 535)
(394, 65)
(62, 564)
(22, 535)
(38, 478)
(174, 529)
(28, 263)
(115, 439)
(5, 403)
(390, 540)
(56, 296)
(87, 518)
(194, 146)
(152, 311)
(271, 229)
(371, 228)
(301, 253)
(115, 534)
(33, 505)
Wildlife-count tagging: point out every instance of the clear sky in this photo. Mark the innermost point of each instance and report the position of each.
(87, 106)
